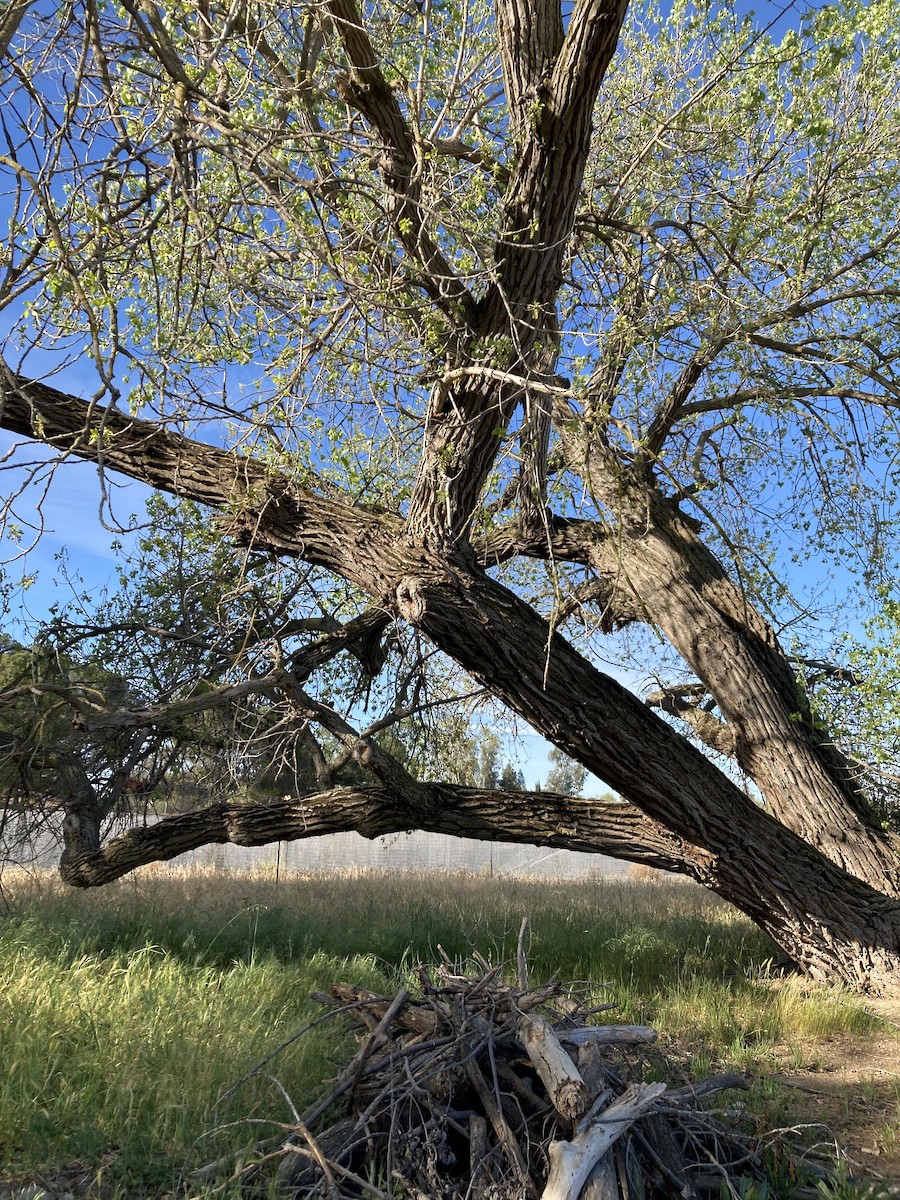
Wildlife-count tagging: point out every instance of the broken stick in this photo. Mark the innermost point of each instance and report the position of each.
(567, 1090)
(572, 1162)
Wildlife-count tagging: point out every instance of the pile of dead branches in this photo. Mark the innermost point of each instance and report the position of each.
(468, 1087)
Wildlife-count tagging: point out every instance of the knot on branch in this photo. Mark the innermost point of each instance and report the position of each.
(410, 604)
(362, 90)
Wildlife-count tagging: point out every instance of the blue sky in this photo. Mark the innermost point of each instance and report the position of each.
(68, 512)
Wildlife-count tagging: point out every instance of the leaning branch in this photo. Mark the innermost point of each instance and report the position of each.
(12, 18)
(537, 818)
(257, 506)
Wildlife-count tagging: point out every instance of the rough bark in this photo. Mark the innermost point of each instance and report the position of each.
(500, 640)
(557, 1072)
(655, 567)
(13, 15)
(366, 88)
(537, 818)
(552, 82)
(835, 926)
(660, 559)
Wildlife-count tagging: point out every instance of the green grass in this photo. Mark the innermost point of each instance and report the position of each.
(126, 1013)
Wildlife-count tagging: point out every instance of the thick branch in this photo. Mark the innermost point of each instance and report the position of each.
(12, 18)
(672, 407)
(708, 729)
(257, 506)
(686, 591)
(447, 602)
(822, 669)
(537, 818)
(563, 539)
(530, 36)
(93, 719)
(363, 749)
(615, 606)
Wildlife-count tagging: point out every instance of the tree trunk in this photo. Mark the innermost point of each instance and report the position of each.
(807, 784)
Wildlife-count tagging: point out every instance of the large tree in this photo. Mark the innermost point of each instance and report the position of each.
(526, 342)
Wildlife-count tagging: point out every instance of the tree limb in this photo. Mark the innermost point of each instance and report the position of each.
(711, 731)
(367, 90)
(13, 15)
(552, 88)
(537, 818)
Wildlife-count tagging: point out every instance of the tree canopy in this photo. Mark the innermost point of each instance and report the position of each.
(498, 344)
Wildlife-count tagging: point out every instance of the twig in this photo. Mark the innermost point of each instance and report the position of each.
(505, 1135)
(521, 959)
(278, 1050)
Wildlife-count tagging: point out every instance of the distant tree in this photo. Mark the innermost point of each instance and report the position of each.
(566, 776)
(511, 780)
(487, 774)
(48, 757)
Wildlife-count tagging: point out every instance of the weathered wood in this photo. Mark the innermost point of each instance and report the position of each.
(592, 1066)
(521, 956)
(507, 1075)
(505, 1136)
(572, 1162)
(425, 1113)
(628, 1170)
(603, 1182)
(607, 1035)
(557, 1072)
(301, 1170)
(658, 1139)
(409, 1016)
(477, 1154)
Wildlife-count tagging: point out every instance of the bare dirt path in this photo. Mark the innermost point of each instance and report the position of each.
(851, 1084)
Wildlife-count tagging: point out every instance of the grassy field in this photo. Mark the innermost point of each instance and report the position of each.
(125, 1014)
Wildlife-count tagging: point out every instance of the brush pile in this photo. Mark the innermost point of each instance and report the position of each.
(467, 1087)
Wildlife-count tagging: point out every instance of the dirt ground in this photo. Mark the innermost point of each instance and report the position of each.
(851, 1085)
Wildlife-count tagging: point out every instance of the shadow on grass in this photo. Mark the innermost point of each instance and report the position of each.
(622, 933)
